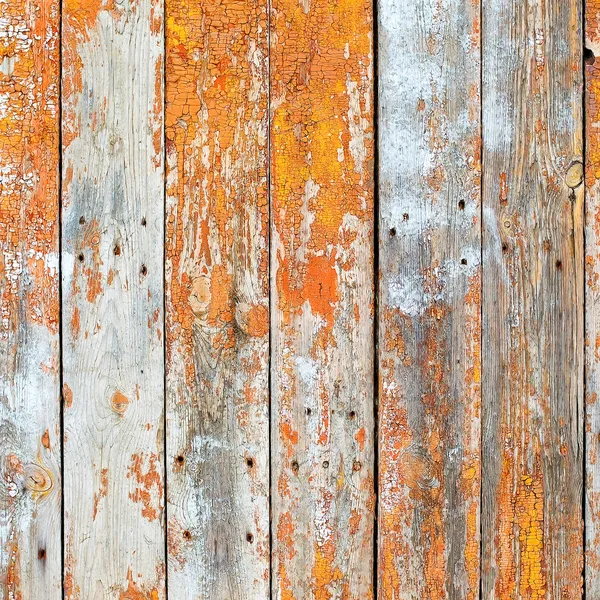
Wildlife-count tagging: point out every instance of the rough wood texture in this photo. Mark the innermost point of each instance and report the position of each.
(112, 231)
(322, 299)
(532, 300)
(30, 507)
(429, 299)
(217, 300)
(592, 290)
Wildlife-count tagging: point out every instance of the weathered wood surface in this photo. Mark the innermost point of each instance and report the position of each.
(217, 300)
(112, 278)
(322, 255)
(592, 298)
(30, 506)
(532, 456)
(429, 299)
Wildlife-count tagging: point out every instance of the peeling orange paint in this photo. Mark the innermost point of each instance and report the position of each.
(135, 592)
(101, 493)
(67, 396)
(143, 470)
(322, 252)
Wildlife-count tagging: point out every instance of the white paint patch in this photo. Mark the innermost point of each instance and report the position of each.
(307, 369)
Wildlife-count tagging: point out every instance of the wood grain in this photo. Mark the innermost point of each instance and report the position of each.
(112, 259)
(592, 298)
(217, 300)
(322, 299)
(30, 505)
(532, 300)
(429, 299)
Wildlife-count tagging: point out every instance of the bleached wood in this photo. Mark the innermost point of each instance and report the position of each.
(429, 299)
(217, 300)
(112, 261)
(30, 478)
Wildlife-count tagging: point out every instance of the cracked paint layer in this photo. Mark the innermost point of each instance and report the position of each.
(592, 291)
(430, 301)
(30, 505)
(112, 259)
(322, 298)
(217, 299)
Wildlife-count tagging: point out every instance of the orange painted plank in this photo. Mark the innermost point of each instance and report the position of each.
(112, 311)
(532, 461)
(429, 300)
(322, 257)
(30, 505)
(217, 300)
(592, 291)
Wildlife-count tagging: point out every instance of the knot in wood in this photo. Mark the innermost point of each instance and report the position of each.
(574, 177)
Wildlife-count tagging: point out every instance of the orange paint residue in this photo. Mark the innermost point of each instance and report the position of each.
(322, 223)
(145, 471)
(135, 592)
(103, 490)
(67, 396)
(29, 129)
(119, 403)
(216, 176)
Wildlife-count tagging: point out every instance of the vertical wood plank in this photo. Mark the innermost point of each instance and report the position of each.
(112, 232)
(322, 298)
(217, 300)
(429, 299)
(592, 297)
(30, 505)
(532, 300)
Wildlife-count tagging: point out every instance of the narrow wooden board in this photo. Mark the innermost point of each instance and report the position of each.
(112, 260)
(429, 299)
(217, 300)
(322, 259)
(592, 297)
(532, 544)
(30, 504)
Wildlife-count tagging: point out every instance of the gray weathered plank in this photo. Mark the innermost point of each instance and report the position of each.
(429, 299)
(322, 299)
(112, 259)
(217, 300)
(532, 300)
(30, 505)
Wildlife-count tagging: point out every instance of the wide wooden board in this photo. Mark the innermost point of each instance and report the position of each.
(429, 299)
(30, 444)
(532, 542)
(112, 311)
(322, 255)
(217, 300)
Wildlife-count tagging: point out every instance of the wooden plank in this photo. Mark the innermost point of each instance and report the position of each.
(532, 544)
(217, 300)
(112, 257)
(429, 299)
(30, 505)
(322, 299)
(592, 297)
